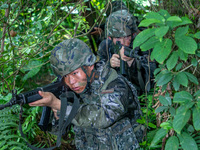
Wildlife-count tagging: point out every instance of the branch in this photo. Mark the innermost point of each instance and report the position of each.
(4, 30)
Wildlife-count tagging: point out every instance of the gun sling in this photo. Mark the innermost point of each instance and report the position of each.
(62, 123)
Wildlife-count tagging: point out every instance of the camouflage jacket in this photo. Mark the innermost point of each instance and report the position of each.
(106, 119)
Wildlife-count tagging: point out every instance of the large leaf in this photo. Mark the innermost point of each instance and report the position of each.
(155, 15)
(161, 50)
(185, 43)
(197, 35)
(196, 118)
(183, 56)
(174, 18)
(164, 78)
(160, 32)
(182, 97)
(142, 37)
(172, 143)
(192, 78)
(180, 119)
(187, 142)
(161, 133)
(181, 78)
(147, 22)
(184, 21)
(150, 43)
(172, 61)
(163, 100)
(164, 13)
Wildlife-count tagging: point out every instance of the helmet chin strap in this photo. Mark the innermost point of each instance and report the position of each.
(88, 80)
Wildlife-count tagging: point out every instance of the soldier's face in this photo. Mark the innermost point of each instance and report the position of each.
(124, 40)
(77, 80)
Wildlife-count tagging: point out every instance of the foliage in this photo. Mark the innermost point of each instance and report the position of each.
(175, 48)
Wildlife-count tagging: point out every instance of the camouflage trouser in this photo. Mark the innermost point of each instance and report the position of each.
(119, 136)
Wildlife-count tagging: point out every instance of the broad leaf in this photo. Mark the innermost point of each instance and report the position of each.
(155, 15)
(192, 78)
(183, 56)
(160, 109)
(150, 43)
(161, 133)
(160, 32)
(182, 97)
(181, 31)
(187, 142)
(163, 100)
(197, 35)
(142, 37)
(162, 50)
(187, 44)
(184, 21)
(181, 78)
(164, 78)
(164, 13)
(196, 118)
(176, 85)
(147, 22)
(172, 143)
(194, 62)
(174, 18)
(172, 61)
(180, 119)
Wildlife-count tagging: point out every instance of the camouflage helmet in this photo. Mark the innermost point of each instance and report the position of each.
(121, 24)
(69, 55)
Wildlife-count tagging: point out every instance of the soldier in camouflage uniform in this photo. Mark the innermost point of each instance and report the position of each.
(106, 119)
(121, 26)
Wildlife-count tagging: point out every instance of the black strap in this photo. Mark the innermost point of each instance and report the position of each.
(62, 127)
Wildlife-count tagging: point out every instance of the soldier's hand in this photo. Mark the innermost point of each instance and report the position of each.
(129, 60)
(48, 99)
(115, 61)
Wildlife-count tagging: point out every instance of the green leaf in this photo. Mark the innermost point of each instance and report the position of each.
(181, 31)
(160, 32)
(197, 35)
(187, 142)
(142, 37)
(194, 62)
(182, 97)
(164, 79)
(172, 143)
(196, 118)
(156, 16)
(192, 78)
(162, 50)
(179, 66)
(166, 125)
(161, 133)
(172, 110)
(187, 44)
(181, 78)
(172, 61)
(174, 24)
(180, 120)
(164, 13)
(183, 56)
(163, 100)
(160, 109)
(174, 18)
(147, 22)
(176, 85)
(150, 43)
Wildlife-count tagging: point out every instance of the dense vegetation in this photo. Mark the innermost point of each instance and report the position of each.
(31, 28)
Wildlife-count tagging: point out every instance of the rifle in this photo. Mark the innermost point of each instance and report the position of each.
(57, 88)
